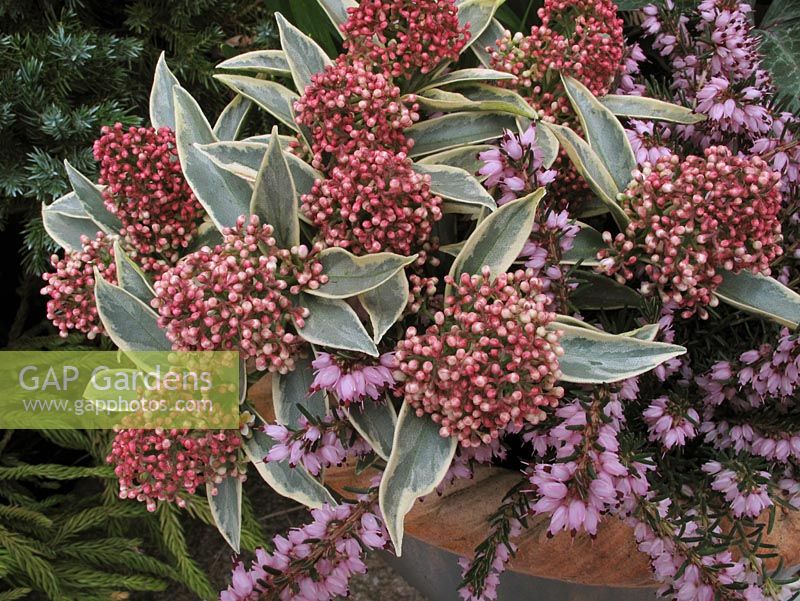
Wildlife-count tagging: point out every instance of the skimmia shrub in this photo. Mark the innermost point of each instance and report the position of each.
(539, 262)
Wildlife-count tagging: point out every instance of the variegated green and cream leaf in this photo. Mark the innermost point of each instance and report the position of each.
(375, 421)
(455, 130)
(162, 106)
(303, 54)
(226, 509)
(91, 198)
(270, 62)
(231, 119)
(640, 107)
(349, 275)
(293, 389)
(478, 14)
(385, 304)
(760, 295)
(130, 276)
(271, 96)
(334, 323)
(456, 185)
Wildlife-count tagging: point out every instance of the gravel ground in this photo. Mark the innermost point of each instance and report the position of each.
(277, 514)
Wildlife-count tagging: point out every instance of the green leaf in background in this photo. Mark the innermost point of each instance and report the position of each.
(452, 183)
(92, 200)
(293, 389)
(591, 169)
(493, 32)
(226, 508)
(498, 239)
(349, 275)
(375, 421)
(419, 461)
(270, 62)
(464, 157)
(466, 75)
(334, 323)
(584, 249)
(274, 197)
(131, 324)
(304, 56)
(598, 292)
(291, 482)
(385, 304)
(274, 98)
(130, 276)
(162, 106)
(592, 357)
(623, 5)
(760, 295)
(231, 119)
(639, 107)
(780, 46)
(457, 129)
(477, 14)
(780, 12)
(603, 131)
(65, 221)
(224, 196)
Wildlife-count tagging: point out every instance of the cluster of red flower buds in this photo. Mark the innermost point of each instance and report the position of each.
(71, 286)
(170, 465)
(373, 201)
(488, 363)
(401, 36)
(238, 296)
(146, 189)
(694, 218)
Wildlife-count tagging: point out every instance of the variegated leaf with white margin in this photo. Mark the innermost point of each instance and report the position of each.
(477, 14)
(464, 157)
(591, 168)
(592, 357)
(457, 185)
(493, 32)
(162, 106)
(640, 107)
(498, 239)
(274, 98)
(337, 11)
(293, 389)
(419, 461)
(603, 131)
(760, 295)
(66, 221)
(225, 502)
(207, 235)
(349, 275)
(303, 54)
(549, 145)
(490, 98)
(599, 292)
(334, 323)
(230, 120)
(271, 62)
(385, 304)
(375, 421)
(587, 243)
(574, 321)
(452, 249)
(130, 323)
(291, 482)
(92, 200)
(224, 196)
(274, 197)
(130, 276)
(455, 130)
(646, 332)
(466, 75)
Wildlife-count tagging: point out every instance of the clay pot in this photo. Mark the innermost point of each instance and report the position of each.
(440, 529)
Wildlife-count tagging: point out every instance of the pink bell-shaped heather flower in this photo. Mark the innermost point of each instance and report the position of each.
(352, 382)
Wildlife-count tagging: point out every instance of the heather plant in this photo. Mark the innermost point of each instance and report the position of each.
(441, 266)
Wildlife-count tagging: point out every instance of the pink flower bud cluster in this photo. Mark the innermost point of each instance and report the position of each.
(238, 296)
(170, 465)
(349, 106)
(692, 219)
(580, 38)
(352, 381)
(314, 562)
(488, 362)
(516, 166)
(312, 445)
(403, 36)
(146, 189)
(373, 201)
(71, 286)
